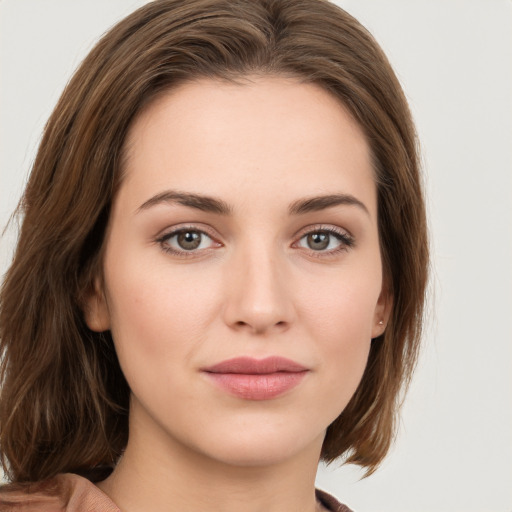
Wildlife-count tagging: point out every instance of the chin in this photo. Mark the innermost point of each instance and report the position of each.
(264, 448)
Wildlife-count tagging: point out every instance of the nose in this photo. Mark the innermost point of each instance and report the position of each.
(259, 298)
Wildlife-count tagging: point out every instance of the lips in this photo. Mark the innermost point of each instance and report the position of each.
(252, 366)
(256, 379)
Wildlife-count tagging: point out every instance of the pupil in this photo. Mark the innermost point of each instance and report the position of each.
(189, 240)
(318, 241)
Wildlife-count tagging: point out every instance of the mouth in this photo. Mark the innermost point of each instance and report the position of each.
(256, 379)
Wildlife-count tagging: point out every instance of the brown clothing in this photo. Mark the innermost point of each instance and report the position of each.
(73, 493)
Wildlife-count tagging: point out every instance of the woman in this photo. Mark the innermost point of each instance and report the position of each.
(221, 270)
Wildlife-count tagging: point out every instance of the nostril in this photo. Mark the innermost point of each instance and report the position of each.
(259, 327)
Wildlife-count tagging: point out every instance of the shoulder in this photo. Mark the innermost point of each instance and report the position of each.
(73, 493)
(64, 493)
(330, 503)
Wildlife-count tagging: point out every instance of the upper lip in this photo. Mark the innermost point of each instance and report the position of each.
(249, 365)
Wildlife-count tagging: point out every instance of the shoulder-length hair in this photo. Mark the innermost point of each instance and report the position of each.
(64, 400)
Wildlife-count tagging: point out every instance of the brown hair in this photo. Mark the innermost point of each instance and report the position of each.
(64, 401)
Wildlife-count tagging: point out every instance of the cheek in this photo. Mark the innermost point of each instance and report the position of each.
(156, 314)
(341, 308)
(339, 317)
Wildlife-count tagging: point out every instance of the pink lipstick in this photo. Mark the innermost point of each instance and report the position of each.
(257, 379)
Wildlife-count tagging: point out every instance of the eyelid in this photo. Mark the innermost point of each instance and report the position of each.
(346, 239)
(170, 232)
(192, 226)
(330, 228)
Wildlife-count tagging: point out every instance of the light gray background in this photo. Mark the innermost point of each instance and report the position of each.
(454, 449)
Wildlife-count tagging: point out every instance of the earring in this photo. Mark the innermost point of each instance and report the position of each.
(381, 322)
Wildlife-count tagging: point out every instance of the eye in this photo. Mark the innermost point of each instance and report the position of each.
(327, 240)
(186, 240)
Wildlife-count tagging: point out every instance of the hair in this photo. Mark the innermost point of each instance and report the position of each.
(64, 400)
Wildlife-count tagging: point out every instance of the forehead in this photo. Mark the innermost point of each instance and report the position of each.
(265, 133)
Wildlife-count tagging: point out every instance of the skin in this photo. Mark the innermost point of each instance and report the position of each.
(253, 287)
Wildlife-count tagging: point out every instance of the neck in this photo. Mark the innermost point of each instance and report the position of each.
(159, 474)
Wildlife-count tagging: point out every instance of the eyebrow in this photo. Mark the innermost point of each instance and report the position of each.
(220, 207)
(200, 202)
(318, 203)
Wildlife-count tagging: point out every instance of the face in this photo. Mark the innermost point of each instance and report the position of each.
(242, 278)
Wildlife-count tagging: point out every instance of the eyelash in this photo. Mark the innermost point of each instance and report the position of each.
(164, 239)
(346, 240)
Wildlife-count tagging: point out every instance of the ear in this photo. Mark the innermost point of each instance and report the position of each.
(96, 313)
(382, 312)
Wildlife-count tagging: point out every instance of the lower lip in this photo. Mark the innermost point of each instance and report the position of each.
(257, 386)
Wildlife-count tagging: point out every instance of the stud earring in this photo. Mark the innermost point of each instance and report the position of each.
(381, 322)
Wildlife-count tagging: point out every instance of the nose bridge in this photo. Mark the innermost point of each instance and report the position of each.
(258, 298)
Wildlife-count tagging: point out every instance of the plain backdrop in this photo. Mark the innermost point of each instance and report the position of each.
(454, 59)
